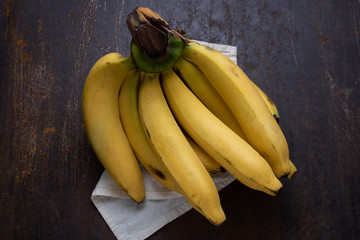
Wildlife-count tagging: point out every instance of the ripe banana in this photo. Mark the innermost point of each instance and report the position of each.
(184, 111)
(243, 99)
(218, 140)
(103, 127)
(193, 181)
(275, 113)
(207, 94)
(201, 87)
(130, 118)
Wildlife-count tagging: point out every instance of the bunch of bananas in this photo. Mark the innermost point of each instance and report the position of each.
(184, 111)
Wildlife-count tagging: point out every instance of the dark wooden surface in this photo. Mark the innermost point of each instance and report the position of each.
(304, 54)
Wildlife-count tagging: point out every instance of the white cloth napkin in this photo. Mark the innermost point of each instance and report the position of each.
(132, 221)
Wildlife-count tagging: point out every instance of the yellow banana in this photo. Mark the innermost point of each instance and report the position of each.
(274, 111)
(207, 94)
(103, 127)
(130, 118)
(201, 87)
(219, 141)
(193, 181)
(243, 99)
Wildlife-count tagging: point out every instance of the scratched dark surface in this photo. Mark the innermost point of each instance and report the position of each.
(304, 54)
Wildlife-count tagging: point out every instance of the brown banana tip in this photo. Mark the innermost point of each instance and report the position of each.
(291, 174)
(216, 224)
(140, 202)
(276, 118)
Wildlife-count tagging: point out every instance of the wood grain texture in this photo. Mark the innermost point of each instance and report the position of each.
(304, 54)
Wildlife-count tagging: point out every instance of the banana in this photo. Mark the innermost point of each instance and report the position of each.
(193, 181)
(103, 127)
(275, 113)
(269, 103)
(243, 99)
(207, 94)
(130, 118)
(185, 111)
(218, 140)
(201, 87)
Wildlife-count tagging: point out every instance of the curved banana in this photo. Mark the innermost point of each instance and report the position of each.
(194, 182)
(103, 127)
(207, 94)
(275, 113)
(201, 87)
(250, 110)
(130, 118)
(219, 141)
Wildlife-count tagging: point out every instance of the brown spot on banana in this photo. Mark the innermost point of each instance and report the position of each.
(276, 118)
(221, 170)
(157, 172)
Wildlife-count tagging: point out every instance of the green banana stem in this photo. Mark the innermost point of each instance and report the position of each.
(154, 46)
